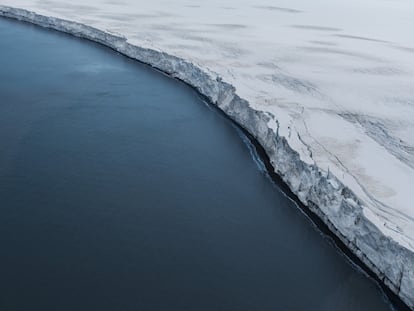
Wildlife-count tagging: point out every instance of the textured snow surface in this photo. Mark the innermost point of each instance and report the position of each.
(326, 86)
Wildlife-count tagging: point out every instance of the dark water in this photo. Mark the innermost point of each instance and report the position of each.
(121, 190)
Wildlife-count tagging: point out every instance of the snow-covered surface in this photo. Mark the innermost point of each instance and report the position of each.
(334, 78)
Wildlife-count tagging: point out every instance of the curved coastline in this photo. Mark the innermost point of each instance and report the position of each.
(322, 193)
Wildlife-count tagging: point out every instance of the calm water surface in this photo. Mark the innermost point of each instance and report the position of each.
(121, 190)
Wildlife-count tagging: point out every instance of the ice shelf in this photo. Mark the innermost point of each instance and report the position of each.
(326, 87)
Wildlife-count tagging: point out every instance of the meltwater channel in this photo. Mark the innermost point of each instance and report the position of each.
(120, 189)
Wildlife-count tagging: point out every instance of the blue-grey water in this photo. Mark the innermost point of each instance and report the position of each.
(121, 190)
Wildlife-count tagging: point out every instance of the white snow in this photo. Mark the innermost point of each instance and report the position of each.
(336, 76)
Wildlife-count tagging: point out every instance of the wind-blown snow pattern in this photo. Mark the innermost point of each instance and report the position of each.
(325, 86)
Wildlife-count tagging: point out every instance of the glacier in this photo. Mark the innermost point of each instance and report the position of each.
(326, 88)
